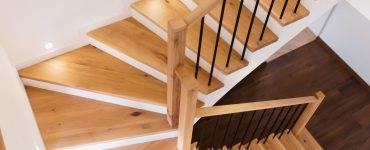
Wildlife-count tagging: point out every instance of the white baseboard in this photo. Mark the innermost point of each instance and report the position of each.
(96, 96)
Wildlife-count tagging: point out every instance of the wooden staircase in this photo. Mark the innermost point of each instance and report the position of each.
(116, 90)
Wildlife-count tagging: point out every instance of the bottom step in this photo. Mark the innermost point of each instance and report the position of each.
(67, 121)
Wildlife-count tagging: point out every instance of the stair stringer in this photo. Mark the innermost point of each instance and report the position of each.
(285, 34)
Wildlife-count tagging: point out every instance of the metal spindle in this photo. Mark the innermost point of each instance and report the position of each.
(214, 131)
(283, 10)
(299, 116)
(255, 130)
(227, 128)
(290, 120)
(235, 31)
(296, 6)
(264, 129)
(246, 131)
(250, 29)
(199, 47)
(282, 122)
(267, 19)
(217, 40)
(237, 129)
(273, 125)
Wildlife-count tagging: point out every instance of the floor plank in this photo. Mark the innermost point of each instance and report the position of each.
(167, 144)
(89, 68)
(135, 40)
(66, 120)
(231, 9)
(289, 15)
(341, 120)
(161, 11)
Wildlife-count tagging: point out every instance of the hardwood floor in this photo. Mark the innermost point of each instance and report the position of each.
(66, 120)
(341, 122)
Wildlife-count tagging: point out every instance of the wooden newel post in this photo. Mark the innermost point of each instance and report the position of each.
(308, 113)
(188, 106)
(176, 53)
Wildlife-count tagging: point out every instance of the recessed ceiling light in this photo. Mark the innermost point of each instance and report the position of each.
(49, 45)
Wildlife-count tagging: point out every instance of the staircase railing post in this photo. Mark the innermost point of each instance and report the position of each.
(188, 105)
(176, 52)
(308, 113)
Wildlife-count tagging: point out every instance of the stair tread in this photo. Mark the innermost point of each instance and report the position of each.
(66, 120)
(290, 142)
(308, 141)
(161, 11)
(255, 146)
(273, 144)
(289, 15)
(89, 68)
(231, 9)
(166, 144)
(135, 40)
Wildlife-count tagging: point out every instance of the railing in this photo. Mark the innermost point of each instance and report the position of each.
(241, 124)
(182, 87)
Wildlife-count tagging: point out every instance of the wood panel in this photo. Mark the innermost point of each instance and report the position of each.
(2, 145)
(273, 144)
(290, 142)
(308, 141)
(135, 40)
(167, 144)
(161, 11)
(231, 11)
(66, 120)
(89, 68)
(289, 15)
(340, 122)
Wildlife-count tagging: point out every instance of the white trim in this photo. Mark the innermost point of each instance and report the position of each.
(125, 58)
(123, 142)
(96, 96)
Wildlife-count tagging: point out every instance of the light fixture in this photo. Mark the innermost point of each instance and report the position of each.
(49, 45)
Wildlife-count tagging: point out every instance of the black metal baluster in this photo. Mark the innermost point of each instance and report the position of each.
(299, 116)
(273, 125)
(217, 40)
(264, 129)
(214, 131)
(227, 128)
(267, 19)
(199, 47)
(237, 129)
(250, 29)
(290, 120)
(296, 6)
(282, 122)
(283, 10)
(235, 31)
(246, 131)
(255, 130)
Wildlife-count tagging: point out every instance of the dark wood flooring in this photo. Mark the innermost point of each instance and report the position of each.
(343, 120)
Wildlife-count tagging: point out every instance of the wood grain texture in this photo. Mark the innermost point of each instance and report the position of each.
(289, 15)
(135, 40)
(231, 11)
(167, 144)
(273, 144)
(2, 145)
(290, 142)
(308, 141)
(255, 146)
(161, 11)
(66, 120)
(89, 68)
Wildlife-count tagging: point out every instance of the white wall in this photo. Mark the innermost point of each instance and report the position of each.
(348, 33)
(17, 122)
(26, 25)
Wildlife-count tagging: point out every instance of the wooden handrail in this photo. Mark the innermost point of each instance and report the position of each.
(2, 145)
(236, 108)
(200, 11)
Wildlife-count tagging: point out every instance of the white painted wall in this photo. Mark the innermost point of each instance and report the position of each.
(25, 26)
(347, 32)
(17, 122)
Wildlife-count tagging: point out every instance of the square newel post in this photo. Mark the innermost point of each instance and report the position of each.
(176, 52)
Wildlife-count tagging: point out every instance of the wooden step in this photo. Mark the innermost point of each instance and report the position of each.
(231, 11)
(289, 15)
(66, 120)
(89, 68)
(290, 142)
(161, 11)
(255, 146)
(166, 144)
(135, 40)
(273, 144)
(308, 141)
